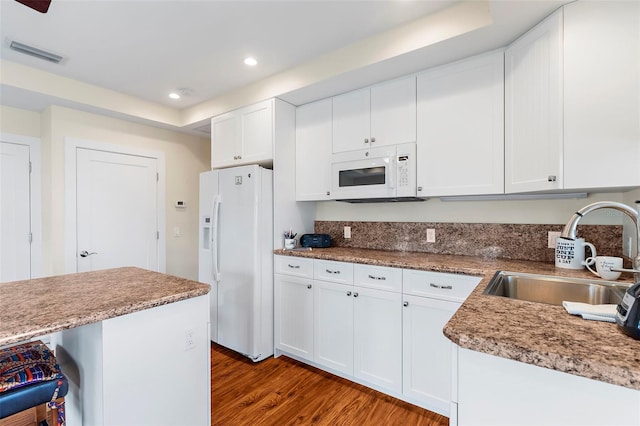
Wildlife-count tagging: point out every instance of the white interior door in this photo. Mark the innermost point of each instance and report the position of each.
(117, 219)
(15, 223)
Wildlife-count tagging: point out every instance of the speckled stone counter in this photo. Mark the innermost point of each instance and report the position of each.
(534, 333)
(36, 307)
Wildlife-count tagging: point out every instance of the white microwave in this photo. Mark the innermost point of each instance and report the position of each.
(376, 174)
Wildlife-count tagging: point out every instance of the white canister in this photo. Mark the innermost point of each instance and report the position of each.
(570, 253)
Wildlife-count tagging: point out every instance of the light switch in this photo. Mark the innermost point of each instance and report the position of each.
(431, 235)
(552, 236)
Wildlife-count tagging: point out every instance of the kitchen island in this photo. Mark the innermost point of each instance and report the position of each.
(588, 367)
(129, 340)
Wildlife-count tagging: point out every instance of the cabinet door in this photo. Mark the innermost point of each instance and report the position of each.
(293, 306)
(393, 112)
(460, 149)
(333, 326)
(257, 133)
(225, 140)
(427, 352)
(351, 121)
(601, 94)
(313, 151)
(378, 337)
(533, 109)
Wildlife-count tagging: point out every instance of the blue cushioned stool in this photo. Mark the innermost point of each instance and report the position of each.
(31, 377)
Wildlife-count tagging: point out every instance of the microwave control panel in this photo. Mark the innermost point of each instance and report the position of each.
(403, 170)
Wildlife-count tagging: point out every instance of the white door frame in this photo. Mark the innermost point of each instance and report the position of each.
(35, 197)
(70, 197)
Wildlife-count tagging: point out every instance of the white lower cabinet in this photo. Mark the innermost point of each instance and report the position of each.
(378, 326)
(293, 304)
(377, 337)
(427, 352)
(333, 326)
(430, 299)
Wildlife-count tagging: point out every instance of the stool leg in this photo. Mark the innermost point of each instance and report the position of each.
(56, 414)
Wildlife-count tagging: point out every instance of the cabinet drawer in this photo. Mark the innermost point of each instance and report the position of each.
(337, 272)
(453, 287)
(296, 266)
(378, 277)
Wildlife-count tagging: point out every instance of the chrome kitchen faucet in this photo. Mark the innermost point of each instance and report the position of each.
(569, 230)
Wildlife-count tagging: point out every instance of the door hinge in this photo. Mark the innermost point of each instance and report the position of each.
(157, 235)
(157, 177)
(30, 167)
(30, 237)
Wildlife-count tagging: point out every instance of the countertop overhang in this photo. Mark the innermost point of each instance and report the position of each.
(533, 333)
(41, 306)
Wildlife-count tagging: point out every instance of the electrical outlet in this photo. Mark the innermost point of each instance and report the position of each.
(189, 340)
(347, 232)
(431, 235)
(552, 236)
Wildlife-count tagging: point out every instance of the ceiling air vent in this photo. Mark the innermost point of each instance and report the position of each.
(35, 52)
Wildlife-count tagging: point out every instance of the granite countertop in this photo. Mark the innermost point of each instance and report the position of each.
(534, 333)
(36, 307)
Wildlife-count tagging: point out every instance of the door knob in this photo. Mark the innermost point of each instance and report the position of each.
(85, 253)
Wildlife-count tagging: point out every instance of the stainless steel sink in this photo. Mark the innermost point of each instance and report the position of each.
(554, 290)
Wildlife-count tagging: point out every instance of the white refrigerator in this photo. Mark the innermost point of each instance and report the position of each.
(236, 257)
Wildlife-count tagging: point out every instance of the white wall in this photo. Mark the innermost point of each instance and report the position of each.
(511, 211)
(19, 121)
(186, 156)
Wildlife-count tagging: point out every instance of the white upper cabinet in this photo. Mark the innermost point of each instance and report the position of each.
(380, 115)
(533, 109)
(602, 94)
(313, 151)
(460, 147)
(572, 100)
(243, 136)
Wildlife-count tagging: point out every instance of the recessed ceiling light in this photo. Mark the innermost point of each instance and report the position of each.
(182, 92)
(250, 61)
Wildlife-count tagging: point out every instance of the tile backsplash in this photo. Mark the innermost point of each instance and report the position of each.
(506, 241)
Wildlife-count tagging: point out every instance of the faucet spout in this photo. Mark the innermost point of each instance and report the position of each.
(570, 229)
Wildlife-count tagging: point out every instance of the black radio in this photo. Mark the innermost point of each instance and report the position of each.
(315, 240)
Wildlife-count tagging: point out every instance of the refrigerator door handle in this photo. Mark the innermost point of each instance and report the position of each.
(215, 237)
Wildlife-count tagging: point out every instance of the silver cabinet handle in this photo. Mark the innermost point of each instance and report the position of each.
(355, 294)
(293, 266)
(373, 140)
(85, 253)
(443, 287)
(551, 178)
(332, 272)
(308, 286)
(405, 304)
(348, 293)
(377, 278)
(366, 140)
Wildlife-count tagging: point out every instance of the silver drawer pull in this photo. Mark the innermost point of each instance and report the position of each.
(443, 287)
(377, 278)
(293, 266)
(348, 293)
(332, 272)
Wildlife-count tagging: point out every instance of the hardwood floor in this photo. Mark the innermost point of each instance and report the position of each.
(286, 392)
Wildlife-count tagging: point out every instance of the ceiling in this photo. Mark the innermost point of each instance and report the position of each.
(149, 48)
